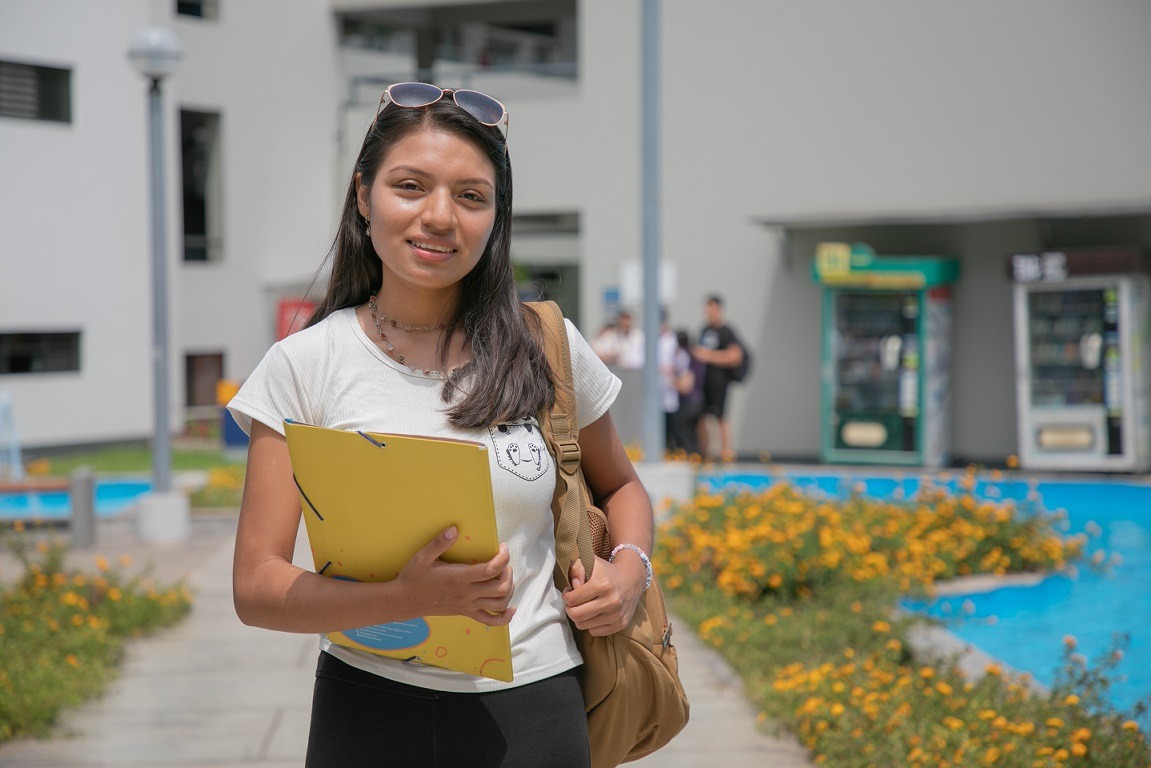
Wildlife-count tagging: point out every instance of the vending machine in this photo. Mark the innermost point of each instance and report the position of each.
(886, 373)
(1082, 336)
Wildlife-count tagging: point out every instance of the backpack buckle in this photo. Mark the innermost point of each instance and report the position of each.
(569, 456)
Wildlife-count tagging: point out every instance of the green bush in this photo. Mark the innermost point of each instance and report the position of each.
(63, 632)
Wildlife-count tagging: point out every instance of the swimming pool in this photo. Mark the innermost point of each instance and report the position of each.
(1024, 626)
(113, 496)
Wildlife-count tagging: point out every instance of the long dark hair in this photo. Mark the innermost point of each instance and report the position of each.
(508, 377)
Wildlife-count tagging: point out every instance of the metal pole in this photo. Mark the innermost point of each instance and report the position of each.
(161, 445)
(82, 491)
(653, 421)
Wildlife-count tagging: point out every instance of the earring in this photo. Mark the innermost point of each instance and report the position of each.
(368, 231)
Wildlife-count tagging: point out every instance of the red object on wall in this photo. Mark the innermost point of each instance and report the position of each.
(291, 315)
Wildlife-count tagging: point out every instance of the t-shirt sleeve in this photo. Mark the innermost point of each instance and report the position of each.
(727, 337)
(271, 394)
(596, 386)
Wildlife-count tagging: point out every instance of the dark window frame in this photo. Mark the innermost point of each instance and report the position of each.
(40, 352)
(35, 92)
(207, 10)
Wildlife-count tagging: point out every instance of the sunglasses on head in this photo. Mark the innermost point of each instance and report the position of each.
(486, 110)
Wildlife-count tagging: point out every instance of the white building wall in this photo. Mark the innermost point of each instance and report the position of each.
(273, 74)
(73, 239)
(772, 110)
(75, 247)
(784, 110)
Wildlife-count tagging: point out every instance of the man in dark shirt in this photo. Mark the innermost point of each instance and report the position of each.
(720, 352)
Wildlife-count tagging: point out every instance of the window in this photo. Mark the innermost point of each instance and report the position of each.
(30, 352)
(35, 93)
(201, 374)
(201, 9)
(201, 185)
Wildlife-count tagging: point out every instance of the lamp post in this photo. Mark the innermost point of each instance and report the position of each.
(155, 52)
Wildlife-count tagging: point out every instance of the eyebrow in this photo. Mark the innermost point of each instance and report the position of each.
(420, 172)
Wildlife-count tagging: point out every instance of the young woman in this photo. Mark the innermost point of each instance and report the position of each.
(421, 332)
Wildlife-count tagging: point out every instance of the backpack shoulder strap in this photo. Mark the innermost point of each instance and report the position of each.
(560, 427)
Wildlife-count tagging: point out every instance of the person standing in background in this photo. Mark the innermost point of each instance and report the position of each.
(719, 350)
(673, 363)
(622, 345)
(689, 386)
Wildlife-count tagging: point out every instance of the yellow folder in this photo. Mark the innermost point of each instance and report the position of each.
(370, 501)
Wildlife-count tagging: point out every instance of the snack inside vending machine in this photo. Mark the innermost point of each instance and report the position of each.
(886, 372)
(1082, 351)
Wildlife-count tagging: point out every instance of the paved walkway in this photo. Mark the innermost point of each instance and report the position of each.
(213, 693)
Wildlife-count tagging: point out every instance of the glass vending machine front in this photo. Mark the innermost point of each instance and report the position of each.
(876, 356)
(1075, 371)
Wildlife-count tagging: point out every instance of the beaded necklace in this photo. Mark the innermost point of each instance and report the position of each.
(378, 317)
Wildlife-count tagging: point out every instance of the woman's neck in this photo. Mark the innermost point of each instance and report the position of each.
(416, 308)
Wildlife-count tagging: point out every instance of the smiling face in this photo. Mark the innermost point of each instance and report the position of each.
(431, 207)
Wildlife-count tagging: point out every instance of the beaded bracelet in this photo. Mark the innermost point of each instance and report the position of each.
(642, 556)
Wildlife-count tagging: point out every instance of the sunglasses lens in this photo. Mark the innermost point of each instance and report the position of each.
(414, 94)
(480, 106)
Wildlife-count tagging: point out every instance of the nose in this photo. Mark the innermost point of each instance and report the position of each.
(439, 211)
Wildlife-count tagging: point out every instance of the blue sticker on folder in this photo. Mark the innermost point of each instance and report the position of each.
(393, 636)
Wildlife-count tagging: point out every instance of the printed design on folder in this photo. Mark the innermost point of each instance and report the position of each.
(520, 448)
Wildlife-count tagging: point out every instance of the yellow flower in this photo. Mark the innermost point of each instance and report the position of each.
(881, 626)
(1054, 722)
(1081, 734)
(1079, 749)
(72, 660)
(1071, 700)
(102, 563)
(114, 594)
(1130, 725)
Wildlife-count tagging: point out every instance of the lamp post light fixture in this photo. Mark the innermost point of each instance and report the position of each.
(155, 52)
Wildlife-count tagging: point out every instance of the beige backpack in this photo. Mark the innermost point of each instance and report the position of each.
(634, 699)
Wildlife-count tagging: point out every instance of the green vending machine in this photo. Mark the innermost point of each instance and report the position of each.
(886, 372)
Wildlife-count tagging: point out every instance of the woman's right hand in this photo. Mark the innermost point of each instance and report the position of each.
(480, 591)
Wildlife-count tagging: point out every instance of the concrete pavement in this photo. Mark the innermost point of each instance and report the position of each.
(213, 693)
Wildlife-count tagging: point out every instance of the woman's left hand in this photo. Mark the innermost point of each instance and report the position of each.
(605, 604)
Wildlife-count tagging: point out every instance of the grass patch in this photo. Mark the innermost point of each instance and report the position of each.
(128, 459)
(224, 487)
(798, 594)
(63, 632)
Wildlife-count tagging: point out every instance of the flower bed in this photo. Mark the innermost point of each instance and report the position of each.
(798, 593)
(63, 632)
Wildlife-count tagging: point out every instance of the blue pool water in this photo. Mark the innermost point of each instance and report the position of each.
(1025, 626)
(112, 498)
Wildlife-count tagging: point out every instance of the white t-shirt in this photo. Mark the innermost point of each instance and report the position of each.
(333, 375)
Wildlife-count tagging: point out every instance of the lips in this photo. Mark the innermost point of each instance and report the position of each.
(432, 250)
